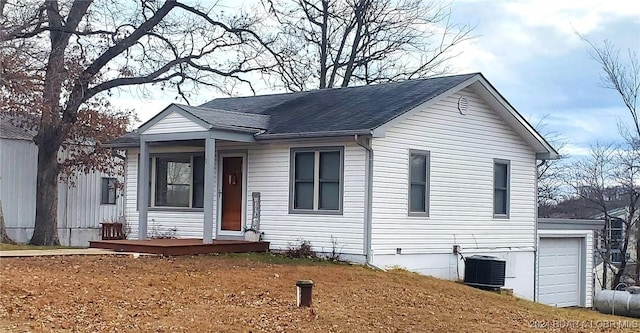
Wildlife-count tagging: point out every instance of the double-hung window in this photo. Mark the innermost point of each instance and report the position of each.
(108, 191)
(176, 181)
(501, 180)
(419, 165)
(316, 180)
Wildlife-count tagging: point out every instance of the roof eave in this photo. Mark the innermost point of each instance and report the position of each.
(121, 145)
(569, 224)
(305, 135)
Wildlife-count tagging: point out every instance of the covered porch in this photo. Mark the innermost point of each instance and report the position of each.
(180, 247)
(183, 174)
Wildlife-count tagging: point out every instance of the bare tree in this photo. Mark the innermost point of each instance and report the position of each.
(623, 76)
(590, 179)
(551, 173)
(337, 43)
(86, 48)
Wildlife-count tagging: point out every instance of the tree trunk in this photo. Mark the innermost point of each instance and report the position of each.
(323, 45)
(4, 238)
(46, 227)
(617, 277)
(607, 253)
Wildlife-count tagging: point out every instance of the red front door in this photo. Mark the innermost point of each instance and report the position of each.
(231, 193)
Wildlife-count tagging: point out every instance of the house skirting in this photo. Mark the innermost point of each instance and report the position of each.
(519, 274)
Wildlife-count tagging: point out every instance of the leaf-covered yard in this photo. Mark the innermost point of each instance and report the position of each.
(256, 293)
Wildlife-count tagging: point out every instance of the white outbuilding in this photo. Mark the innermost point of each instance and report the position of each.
(565, 272)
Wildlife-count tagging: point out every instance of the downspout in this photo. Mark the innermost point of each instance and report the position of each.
(368, 198)
(535, 235)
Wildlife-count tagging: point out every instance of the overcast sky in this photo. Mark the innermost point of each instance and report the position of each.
(528, 50)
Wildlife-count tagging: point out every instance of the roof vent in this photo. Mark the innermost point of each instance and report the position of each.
(463, 104)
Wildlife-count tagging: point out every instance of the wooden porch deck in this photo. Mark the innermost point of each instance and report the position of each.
(180, 247)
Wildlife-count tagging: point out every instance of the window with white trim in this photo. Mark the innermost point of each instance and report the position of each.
(501, 180)
(419, 164)
(316, 180)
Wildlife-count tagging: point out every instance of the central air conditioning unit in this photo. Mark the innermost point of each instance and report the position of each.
(484, 272)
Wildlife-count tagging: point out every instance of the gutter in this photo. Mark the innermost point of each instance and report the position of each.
(314, 135)
(369, 197)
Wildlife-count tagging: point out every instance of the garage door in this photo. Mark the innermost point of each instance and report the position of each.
(559, 271)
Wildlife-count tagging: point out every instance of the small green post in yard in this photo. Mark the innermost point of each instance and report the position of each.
(304, 292)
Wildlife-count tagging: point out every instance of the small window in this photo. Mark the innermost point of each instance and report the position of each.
(501, 188)
(108, 196)
(316, 180)
(419, 165)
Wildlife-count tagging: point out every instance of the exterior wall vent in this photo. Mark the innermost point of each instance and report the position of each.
(463, 104)
(484, 272)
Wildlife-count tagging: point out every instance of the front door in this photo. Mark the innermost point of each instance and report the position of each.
(232, 180)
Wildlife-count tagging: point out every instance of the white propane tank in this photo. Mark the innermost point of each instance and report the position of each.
(616, 302)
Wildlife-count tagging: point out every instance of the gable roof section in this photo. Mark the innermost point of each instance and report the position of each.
(10, 131)
(209, 118)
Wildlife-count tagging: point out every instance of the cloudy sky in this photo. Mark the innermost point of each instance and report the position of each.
(529, 51)
(531, 54)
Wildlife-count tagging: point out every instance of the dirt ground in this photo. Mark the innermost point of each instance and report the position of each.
(247, 293)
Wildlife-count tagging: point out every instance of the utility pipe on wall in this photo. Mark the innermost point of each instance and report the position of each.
(369, 196)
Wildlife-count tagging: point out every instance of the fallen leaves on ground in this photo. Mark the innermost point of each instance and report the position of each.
(242, 294)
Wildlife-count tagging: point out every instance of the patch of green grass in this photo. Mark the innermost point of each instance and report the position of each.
(16, 247)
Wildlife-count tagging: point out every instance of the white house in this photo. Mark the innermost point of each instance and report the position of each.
(83, 203)
(395, 174)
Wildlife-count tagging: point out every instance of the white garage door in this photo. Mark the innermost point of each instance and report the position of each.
(559, 271)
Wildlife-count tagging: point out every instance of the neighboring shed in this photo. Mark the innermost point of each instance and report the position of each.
(565, 261)
(81, 206)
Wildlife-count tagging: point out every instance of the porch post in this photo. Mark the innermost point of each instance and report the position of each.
(143, 188)
(209, 189)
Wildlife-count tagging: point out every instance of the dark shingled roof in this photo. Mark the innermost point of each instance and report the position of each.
(312, 113)
(129, 140)
(340, 109)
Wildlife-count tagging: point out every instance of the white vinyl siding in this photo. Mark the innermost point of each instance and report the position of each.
(268, 173)
(164, 222)
(172, 123)
(462, 152)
